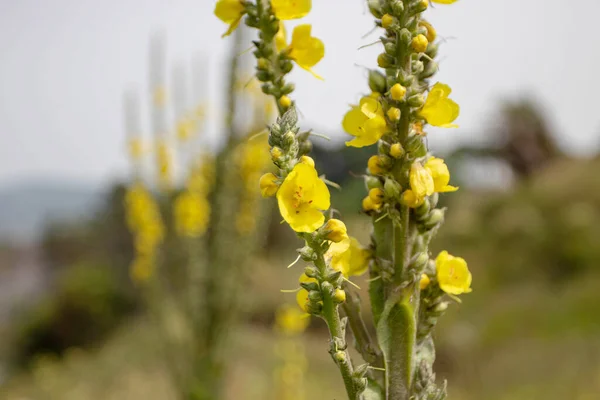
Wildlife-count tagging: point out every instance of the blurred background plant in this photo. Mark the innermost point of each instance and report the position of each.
(75, 326)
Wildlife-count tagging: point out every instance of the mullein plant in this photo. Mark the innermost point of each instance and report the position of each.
(188, 254)
(407, 288)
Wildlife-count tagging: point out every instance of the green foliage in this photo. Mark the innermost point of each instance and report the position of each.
(86, 305)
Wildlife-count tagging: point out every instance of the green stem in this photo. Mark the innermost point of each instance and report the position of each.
(337, 336)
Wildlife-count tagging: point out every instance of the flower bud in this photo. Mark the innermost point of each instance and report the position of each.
(285, 102)
(392, 189)
(393, 114)
(307, 160)
(386, 21)
(398, 92)
(418, 67)
(268, 185)
(309, 286)
(419, 261)
(396, 150)
(421, 6)
(305, 147)
(263, 64)
(339, 296)
(435, 217)
(375, 8)
(441, 307)
(374, 165)
(429, 71)
(385, 60)
(369, 205)
(333, 277)
(307, 254)
(287, 88)
(334, 230)
(372, 182)
(288, 140)
(315, 295)
(376, 195)
(424, 282)
(339, 356)
(398, 7)
(377, 81)
(314, 308)
(311, 271)
(419, 43)
(416, 100)
(276, 154)
(390, 48)
(405, 37)
(327, 287)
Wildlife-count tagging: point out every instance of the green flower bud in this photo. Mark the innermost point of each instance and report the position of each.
(433, 200)
(416, 100)
(372, 182)
(385, 60)
(405, 37)
(333, 277)
(377, 81)
(398, 7)
(422, 211)
(419, 262)
(307, 254)
(327, 287)
(288, 140)
(429, 71)
(315, 295)
(287, 88)
(309, 286)
(263, 76)
(440, 307)
(417, 67)
(390, 48)
(392, 189)
(432, 50)
(339, 296)
(435, 218)
(339, 356)
(314, 308)
(311, 272)
(305, 148)
(375, 8)
(267, 88)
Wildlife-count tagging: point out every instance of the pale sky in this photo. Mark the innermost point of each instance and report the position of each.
(64, 65)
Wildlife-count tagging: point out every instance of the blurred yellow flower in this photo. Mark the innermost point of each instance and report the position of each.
(301, 197)
(453, 275)
(365, 121)
(191, 213)
(440, 174)
(305, 50)
(421, 181)
(439, 110)
(302, 299)
(185, 128)
(411, 200)
(164, 164)
(291, 9)
(291, 321)
(135, 148)
(348, 257)
(268, 185)
(230, 12)
(142, 268)
(444, 1)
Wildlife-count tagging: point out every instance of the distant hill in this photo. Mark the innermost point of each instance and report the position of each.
(26, 207)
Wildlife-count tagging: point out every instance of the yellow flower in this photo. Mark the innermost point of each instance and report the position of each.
(394, 114)
(336, 230)
(440, 174)
(386, 21)
(305, 50)
(396, 150)
(268, 185)
(348, 257)
(302, 299)
(453, 275)
(301, 197)
(424, 282)
(444, 1)
(285, 102)
(291, 9)
(230, 12)
(366, 122)
(439, 110)
(421, 181)
(191, 213)
(290, 320)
